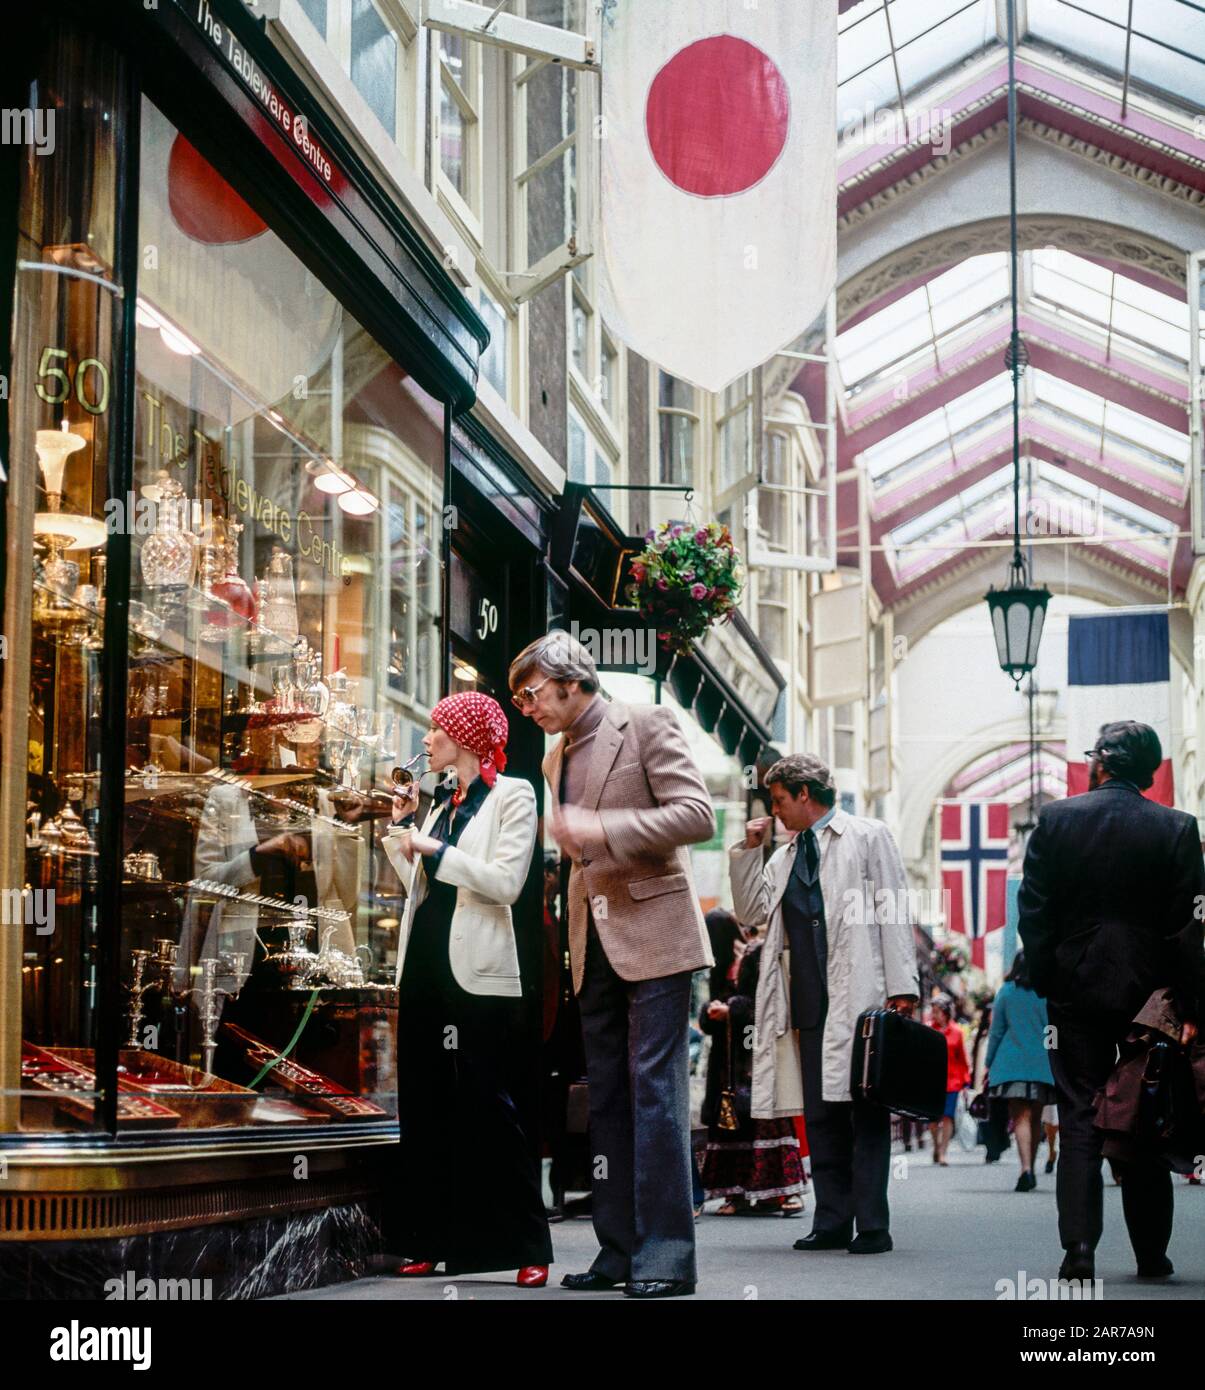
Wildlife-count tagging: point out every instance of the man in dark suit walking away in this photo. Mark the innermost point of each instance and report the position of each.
(1112, 883)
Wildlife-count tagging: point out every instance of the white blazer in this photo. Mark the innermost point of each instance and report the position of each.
(489, 867)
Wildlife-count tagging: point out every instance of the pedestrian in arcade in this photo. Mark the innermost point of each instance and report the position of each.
(754, 1164)
(958, 1076)
(1111, 883)
(458, 978)
(834, 898)
(1018, 1064)
(626, 798)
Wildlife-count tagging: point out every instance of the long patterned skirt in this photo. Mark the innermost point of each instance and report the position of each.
(759, 1160)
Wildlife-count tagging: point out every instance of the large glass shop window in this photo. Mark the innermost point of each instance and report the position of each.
(283, 661)
(285, 509)
(61, 411)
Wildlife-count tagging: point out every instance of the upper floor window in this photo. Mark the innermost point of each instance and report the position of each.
(459, 120)
(364, 35)
(677, 429)
(734, 425)
(594, 352)
(588, 461)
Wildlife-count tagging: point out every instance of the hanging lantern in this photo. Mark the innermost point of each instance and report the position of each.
(1018, 616)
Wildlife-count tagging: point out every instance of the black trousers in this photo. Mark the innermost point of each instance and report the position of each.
(850, 1146)
(638, 1066)
(468, 1183)
(1084, 1055)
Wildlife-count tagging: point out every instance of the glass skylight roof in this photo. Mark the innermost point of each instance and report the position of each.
(1166, 43)
(1069, 286)
(907, 335)
(889, 48)
(934, 437)
(1117, 425)
(1058, 503)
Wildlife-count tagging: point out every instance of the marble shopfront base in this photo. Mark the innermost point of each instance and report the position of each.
(253, 1258)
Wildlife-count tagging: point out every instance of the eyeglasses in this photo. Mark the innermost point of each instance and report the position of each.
(526, 694)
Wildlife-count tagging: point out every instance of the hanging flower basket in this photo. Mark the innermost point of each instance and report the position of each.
(684, 580)
(949, 959)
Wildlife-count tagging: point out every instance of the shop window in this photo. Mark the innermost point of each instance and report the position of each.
(677, 429)
(283, 505)
(66, 351)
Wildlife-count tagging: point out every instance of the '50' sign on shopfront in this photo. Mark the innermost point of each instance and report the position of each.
(62, 384)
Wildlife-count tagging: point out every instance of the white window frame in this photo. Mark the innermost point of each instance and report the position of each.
(694, 415)
(536, 46)
(468, 96)
(590, 384)
(396, 16)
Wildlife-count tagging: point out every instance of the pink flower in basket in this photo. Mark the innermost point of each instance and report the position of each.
(698, 591)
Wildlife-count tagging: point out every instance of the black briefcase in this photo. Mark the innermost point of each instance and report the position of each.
(899, 1064)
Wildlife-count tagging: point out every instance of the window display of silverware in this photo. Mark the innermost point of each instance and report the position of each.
(280, 625)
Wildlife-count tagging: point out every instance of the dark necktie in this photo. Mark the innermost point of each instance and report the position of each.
(811, 854)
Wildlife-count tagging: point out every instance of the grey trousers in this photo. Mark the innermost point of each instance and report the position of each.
(637, 1063)
(850, 1147)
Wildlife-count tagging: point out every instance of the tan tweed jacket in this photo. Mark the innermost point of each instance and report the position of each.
(652, 801)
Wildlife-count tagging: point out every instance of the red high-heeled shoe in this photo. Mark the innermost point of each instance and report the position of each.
(532, 1277)
(416, 1269)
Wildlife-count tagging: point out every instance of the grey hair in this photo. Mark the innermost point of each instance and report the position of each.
(558, 656)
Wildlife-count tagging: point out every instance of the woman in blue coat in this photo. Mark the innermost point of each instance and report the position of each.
(1018, 1064)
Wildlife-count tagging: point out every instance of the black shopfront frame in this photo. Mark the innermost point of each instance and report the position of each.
(350, 235)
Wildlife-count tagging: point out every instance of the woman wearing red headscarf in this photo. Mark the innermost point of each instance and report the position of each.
(459, 1000)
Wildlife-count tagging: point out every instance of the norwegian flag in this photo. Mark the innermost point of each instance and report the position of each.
(974, 869)
(718, 180)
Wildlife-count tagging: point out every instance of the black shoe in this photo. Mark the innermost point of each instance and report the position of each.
(1026, 1182)
(1079, 1262)
(659, 1288)
(824, 1240)
(1155, 1267)
(871, 1243)
(1050, 1165)
(590, 1282)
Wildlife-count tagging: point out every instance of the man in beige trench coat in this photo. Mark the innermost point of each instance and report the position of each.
(838, 941)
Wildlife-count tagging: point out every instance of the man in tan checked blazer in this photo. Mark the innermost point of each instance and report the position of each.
(625, 800)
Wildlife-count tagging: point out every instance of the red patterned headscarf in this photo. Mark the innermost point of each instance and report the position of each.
(477, 723)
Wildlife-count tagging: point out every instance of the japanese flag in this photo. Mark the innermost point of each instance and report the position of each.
(719, 215)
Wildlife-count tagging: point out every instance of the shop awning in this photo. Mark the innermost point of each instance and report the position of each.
(728, 681)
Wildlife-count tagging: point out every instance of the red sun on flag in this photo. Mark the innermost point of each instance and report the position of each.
(717, 116)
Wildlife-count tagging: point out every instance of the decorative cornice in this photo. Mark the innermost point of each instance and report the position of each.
(918, 177)
(1115, 163)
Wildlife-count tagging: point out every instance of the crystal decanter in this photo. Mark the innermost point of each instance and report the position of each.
(169, 553)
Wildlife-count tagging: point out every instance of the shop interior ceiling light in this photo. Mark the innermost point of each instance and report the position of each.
(329, 477)
(173, 339)
(358, 502)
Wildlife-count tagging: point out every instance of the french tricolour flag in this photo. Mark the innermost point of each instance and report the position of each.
(1118, 667)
